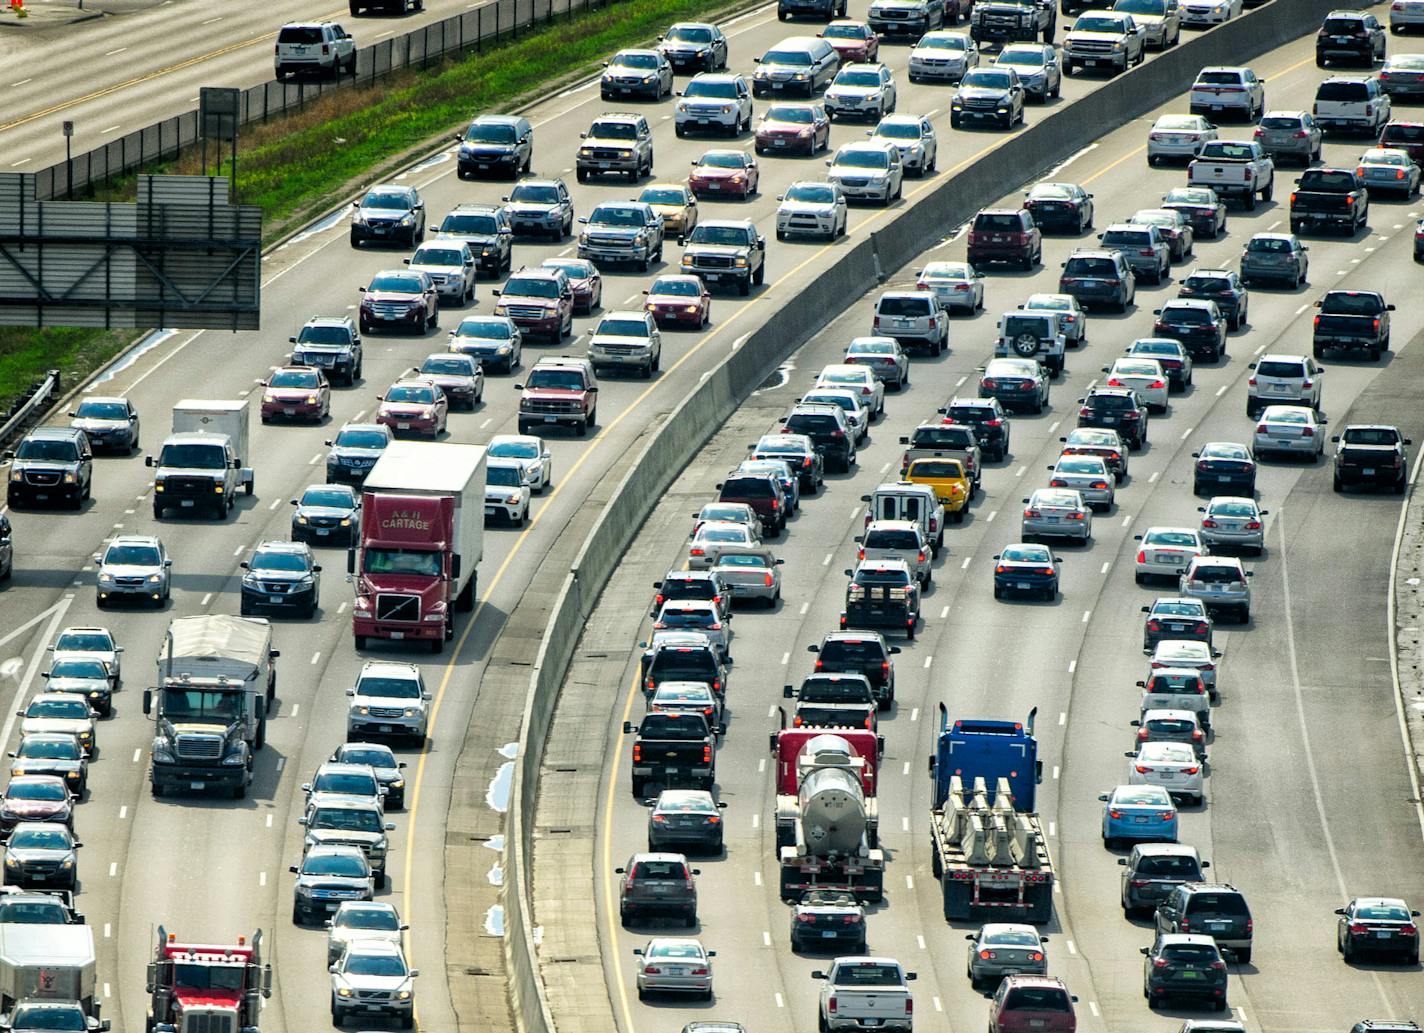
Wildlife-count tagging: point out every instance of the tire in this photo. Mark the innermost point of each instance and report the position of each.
(1243, 955)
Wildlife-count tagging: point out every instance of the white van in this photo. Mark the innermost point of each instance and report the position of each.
(903, 500)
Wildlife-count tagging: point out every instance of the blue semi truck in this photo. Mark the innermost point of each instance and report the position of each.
(988, 847)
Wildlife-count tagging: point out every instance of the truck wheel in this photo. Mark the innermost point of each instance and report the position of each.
(1317, 350)
(437, 644)
(639, 786)
(1269, 192)
(744, 287)
(156, 789)
(157, 511)
(360, 642)
(239, 791)
(1251, 200)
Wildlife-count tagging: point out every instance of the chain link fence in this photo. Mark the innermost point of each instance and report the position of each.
(460, 34)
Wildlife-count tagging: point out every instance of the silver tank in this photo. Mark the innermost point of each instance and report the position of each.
(832, 811)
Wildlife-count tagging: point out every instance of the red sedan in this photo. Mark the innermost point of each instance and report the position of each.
(679, 301)
(414, 407)
(793, 127)
(584, 278)
(296, 393)
(728, 173)
(853, 41)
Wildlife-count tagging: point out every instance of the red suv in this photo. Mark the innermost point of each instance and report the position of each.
(1038, 1003)
(1005, 235)
(763, 493)
(539, 301)
(1405, 136)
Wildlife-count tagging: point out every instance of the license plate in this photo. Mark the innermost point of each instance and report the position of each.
(372, 1007)
(776, 86)
(671, 772)
(713, 276)
(714, 186)
(197, 785)
(398, 634)
(1383, 934)
(1036, 1023)
(1368, 471)
(384, 728)
(1139, 820)
(1177, 627)
(828, 935)
(551, 419)
(1050, 519)
(323, 531)
(1216, 107)
(624, 89)
(489, 511)
(289, 412)
(778, 143)
(1190, 974)
(182, 502)
(402, 426)
(45, 495)
(381, 229)
(703, 122)
(1219, 926)
(604, 165)
(1022, 585)
(1223, 478)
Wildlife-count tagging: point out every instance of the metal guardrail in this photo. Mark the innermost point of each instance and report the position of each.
(34, 400)
(163, 140)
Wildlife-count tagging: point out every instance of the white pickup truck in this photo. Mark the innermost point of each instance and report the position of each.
(862, 994)
(1234, 168)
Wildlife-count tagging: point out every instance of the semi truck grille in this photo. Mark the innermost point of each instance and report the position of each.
(397, 607)
(199, 747)
(209, 1022)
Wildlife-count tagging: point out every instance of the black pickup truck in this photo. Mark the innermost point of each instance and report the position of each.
(882, 594)
(1352, 321)
(1329, 199)
(674, 750)
(1371, 455)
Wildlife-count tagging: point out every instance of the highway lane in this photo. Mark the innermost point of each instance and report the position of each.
(1297, 824)
(160, 861)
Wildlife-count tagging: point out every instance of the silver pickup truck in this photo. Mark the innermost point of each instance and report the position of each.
(861, 994)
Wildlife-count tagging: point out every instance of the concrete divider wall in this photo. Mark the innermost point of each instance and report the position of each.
(848, 275)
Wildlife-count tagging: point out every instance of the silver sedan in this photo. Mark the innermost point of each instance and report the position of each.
(884, 357)
(958, 285)
(1235, 521)
(1089, 476)
(1057, 513)
(673, 964)
(1291, 430)
(1001, 949)
(751, 574)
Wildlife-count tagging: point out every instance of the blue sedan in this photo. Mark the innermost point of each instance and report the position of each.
(1026, 569)
(1135, 814)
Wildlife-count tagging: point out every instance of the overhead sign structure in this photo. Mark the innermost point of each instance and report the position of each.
(181, 256)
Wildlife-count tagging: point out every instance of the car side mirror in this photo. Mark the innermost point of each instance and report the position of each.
(1135, 724)
(628, 729)
(1105, 797)
(1141, 950)
(1339, 910)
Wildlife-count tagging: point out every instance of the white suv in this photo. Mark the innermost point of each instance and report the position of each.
(914, 318)
(389, 699)
(324, 48)
(714, 101)
(1351, 104)
(1219, 582)
(1283, 380)
(1221, 89)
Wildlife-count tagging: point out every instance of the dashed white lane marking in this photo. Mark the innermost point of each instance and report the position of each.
(281, 763)
(804, 608)
(1302, 308)
(779, 1002)
(938, 1005)
(756, 878)
(1052, 828)
(1021, 471)
(1127, 520)
(1187, 433)
(314, 459)
(905, 824)
(965, 564)
(1093, 1007)
(123, 812)
(1063, 714)
(262, 878)
(1221, 390)
(944, 613)
(106, 990)
(1086, 615)
(756, 821)
(765, 938)
(108, 930)
(854, 512)
(128, 512)
(990, 518)
(137, 755)
(771, 712)
(827, 561)
(761, 766)
(1055, 772)
(1106, 565)
(113, 868)
(1072, 947)
(207, 598)
(111, 53)
(785, 659)
(269, 821)
(238, 550)
(909, 882)
(341, 608)
(1072, 666)
(1053, 426)
(960, 381)
(920, 939)
(929, 660)
(275, 504)
(907, 767)
(486, 423)
(316, 656)
(886, 467)
(915, 714)
(1273, 225)
(1155, 475)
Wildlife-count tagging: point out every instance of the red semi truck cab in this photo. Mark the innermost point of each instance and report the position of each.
(422, 519)
(206, 987)
(801, 750)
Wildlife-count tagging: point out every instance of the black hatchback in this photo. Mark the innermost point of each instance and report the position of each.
(989, 421)
(1116, 408)
(1224, 468)
(1184, 965)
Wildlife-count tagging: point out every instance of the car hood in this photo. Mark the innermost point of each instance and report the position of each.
(618, 339)
(290, 393)
(709, 172)
(370, 983)
(54, 465)
(33, 808)
(338, 837)
(78, 686)
(613, 231)
(38, 855)
(405, 408)
(731, 250)
(44, 766)
(89, 423)
(528, 300)
(356, 453)
(1085, 36)
(845, 90)
(348, 935)
(854, 171)
(438, 270)
(124, 570)
(63, 725)
(600, 141)
(326, 511)
(267, 574)
(981, 93)
(394, 296)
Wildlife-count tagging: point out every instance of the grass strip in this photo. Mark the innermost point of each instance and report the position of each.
(300, 164)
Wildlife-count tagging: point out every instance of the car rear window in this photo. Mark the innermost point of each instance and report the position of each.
(1187, 314)
(834, 690)
(972, 413)
(808, 423)
(1371, 436)
(1169, 867)
(299, 35)
(1294, 370)
(1350, 303)
(1090, 267)
(1174, 683)
(1280, 122)
(905, 306)
(1207, 283)
(942, 437)
(1190, 953)
(1344, 92)
(749, 488)
(1111, 403)
(659, 870)
(1218, 904)
(868, 974)
(1010, 223)
(936, 468)
(1396, 133)
(674, 726)
(1170, 726)
(1132, 238)
(1037, 998)
(1341, 26)
(1216, 575)
(688, 588)
(892, 540)
(860, 650)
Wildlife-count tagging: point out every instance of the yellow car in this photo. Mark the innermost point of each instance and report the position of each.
(675, 203)
(948, 479)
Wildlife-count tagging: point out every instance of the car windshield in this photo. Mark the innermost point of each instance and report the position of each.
(1098, 23)
(868, 973)
(39, 839)
(721, 89)
(375, 965)
(437, 257)
(279, 559)
(485, 329)
(468, 225)
(1021, 57)
(663, 195)
(899, 130)
(47, 449)
(680, 288)
(614, 215)
(452, 366)
(614, 131)
(797, 58)
(622, 328)
(1025, 554)
(102, 411)
(45, 791)
(418, 394)
(132, 556)
(486, 133)
(361, 439)
(686, 34)
(723, 160)
(987, 79)
(834, 31)
(733, 235)
(78, 669)
(378, 560)
(378, 918)
(504, 476)
(573, 268)
(388, 687)
(556, 379)
(1371, 436)
(944, 43)
(48, 1016)
(798, 113)
(295, 378)
(534, 193)
(389, 200)
(346, 819)
(397, 283)
(628, 60)
(1183, 539)
(48, 749)
(324, 334)
(514, 450)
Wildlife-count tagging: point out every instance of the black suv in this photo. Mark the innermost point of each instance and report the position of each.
(487, 230)
(989, 421)
(1350, 36)
(1221, 286)
(499, 143)
(1183, 965)
(859, 652)
(51, 464)
(1116, 408)
(1371, 455)
(1154, 870)
(682, 656)
(1217, 910)
(703, 585)
(333, 345)
(828, 430)
(1196, 322)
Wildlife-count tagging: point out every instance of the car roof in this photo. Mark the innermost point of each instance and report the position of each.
(1205, 304)
(886, 563)
(1185, 939)
(1165, 850)
(892, 525)
(1024, 979)
(389, 669)
(135, 539)
(328, 321)
(1281, 357)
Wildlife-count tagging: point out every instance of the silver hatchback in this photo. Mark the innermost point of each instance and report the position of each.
(1275, 258)
(1089, 476)
(1234, 520)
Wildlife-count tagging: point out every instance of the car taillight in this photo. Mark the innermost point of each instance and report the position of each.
(1201, 629)
(1085, 411)
(990, 383)
(1253, 525)
(775, 504)
(1208, 522)
(1131, 415)
(1203, 667)
(922, 555)
(806, 463)
(659, 599)
(1100, 484)
(707, 754)
(1166, 815)
(837, 434)
(909, 1005)
(860, 554)
(699, 972)
(1146, 252)
(1307, 432)
(1114, 382)
(1032, 514)
(652, 970)
(769, 581)
(1142, 735)
(1046, 570)
(715, 626)
(1141, 556)
(695, 551)
(1075, 516)
(1259, 132)
(1058, 482)
(1156, 385)
(1260, 428)
(819, 663)
(637, 753)
(1113, 282)
(805, 918)
(1250, 926)
(1138, 884)
(1143, 770)
(1376, 323)
(1115, 814)
(1192, 770)
(1408, 930)
(1153, 625)
(993, 423)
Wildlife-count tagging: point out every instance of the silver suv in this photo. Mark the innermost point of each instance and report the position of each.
(914, 318)
(389, 699)
(626, 341)
(1283, 380)
(1033, 335)
(328, 876)
(133, 566)
(898, 540)
(372, 978)
(1221, 583)
(714, 101)
(616, 144)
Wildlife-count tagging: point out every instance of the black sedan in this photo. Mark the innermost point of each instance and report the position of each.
(1024, 569)
(1200, 325)
(830, 922)
(683, 819)
(1221, 286)
(1202, 207)
(1377, 925)
(327, 514)
(1224, 468)
(1060, 206)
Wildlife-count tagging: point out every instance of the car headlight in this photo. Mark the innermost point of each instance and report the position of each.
(583, 238)
(486, 252)
(686, 259)
(800, 76)
(649, 78)
(301, 519)
(409, 712)
(232, 760)
(398, 784)
(268, 397)
(11, 862)
(407, 220)
(1117, 46)
(625, 154)
(364, 711)
(95, 694)
(106, 579)
(346, 523)
(344, 991)
(513, 499)
(956, 103)
(16, 475)
(69, 478)
(585, 152)
(162, 752)
(741, 263)
(404, 995)
(760, 73)
(68, 863)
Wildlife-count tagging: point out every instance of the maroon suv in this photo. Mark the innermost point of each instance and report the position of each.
(1405, 136)
(763, 493)
(559, 392)
(400, 299)
(539, 301)
(1005, 235)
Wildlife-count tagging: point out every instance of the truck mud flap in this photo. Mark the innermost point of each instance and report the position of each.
(957, 897)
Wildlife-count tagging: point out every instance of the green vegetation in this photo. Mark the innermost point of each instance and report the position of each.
(299, 165)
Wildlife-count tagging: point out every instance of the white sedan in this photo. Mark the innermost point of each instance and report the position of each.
(1145, 376)
(1172, 765)
(858, 378)
(715, 537)
(957, 285)
(1289, 429)
(1167, 550)
(1178, 137)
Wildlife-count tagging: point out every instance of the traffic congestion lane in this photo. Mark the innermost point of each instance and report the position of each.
(1275, 318)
